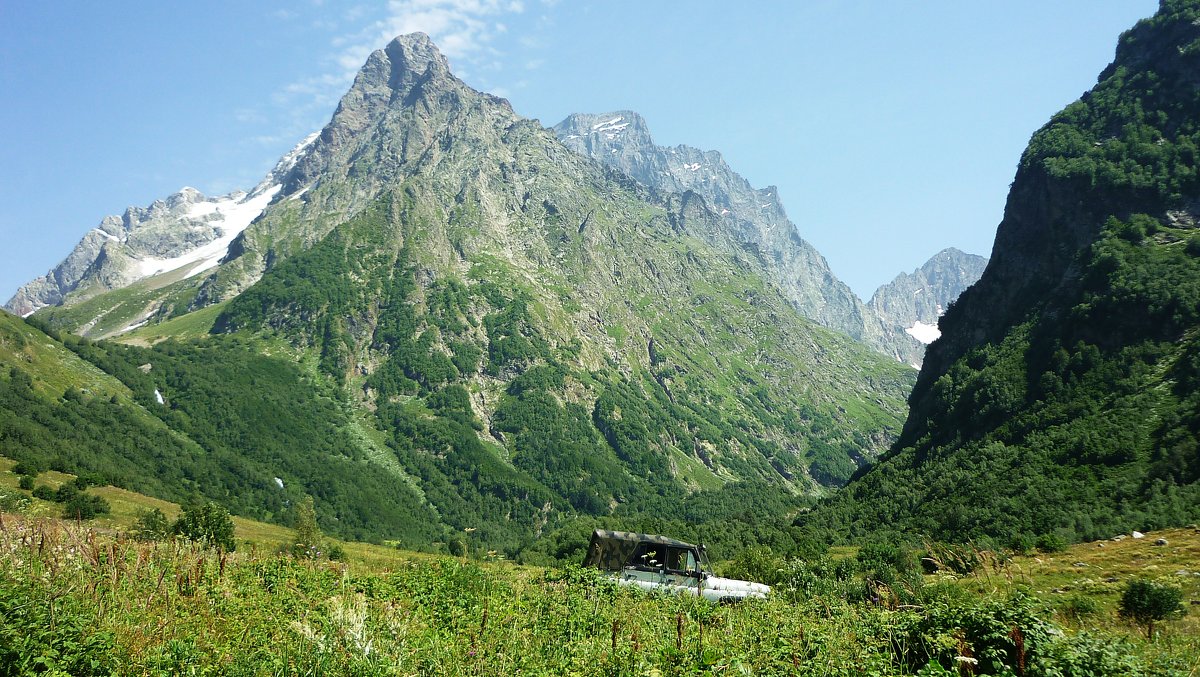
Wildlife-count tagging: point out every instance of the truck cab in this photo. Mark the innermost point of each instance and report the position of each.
(662, 564)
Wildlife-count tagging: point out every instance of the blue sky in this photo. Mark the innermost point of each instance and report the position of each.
(891, 129)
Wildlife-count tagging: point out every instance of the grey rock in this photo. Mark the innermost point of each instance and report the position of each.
(909, 306)
(754, 216)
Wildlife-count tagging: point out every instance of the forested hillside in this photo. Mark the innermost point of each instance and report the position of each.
(1063, 395)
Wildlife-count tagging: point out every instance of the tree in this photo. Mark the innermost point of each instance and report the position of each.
(1145, 601)
(307, 542)
(206, 523)
(81, 506)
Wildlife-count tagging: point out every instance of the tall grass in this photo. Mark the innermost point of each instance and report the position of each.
(85, 602)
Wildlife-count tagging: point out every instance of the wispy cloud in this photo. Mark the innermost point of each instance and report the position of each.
(462, 29)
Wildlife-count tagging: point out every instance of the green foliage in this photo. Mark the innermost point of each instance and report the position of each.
(1054, 403)
(306, 543)
(1144, 602)
(81, 506)
(1050, 543)
(25, 483)
(43, 633)
(206, 523)
(759, 564)
(442, 616)
(1079, 607)
(12, 501)
(151, 525)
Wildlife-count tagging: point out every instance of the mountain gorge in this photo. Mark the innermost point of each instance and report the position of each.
(1061, 398)
(507, 333)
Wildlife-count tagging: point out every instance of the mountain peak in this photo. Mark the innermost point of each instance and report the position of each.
(414, 53)
(621, 128)
(405, 62)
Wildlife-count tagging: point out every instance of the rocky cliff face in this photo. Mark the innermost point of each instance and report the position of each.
(912, 304)
(753, 217)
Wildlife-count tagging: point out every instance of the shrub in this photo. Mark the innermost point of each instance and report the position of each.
(1077, 607)
(756, 563)
(32, 468)
(335, 552)
(1145, 602)
(307, 541)
(26, 482)
(151, 525)
(1051, 543)
(13, 502)
(43, 492)
(206, 523)
(66, 492)
(83, 506)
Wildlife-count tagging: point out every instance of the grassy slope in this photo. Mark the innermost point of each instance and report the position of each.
(127, 505)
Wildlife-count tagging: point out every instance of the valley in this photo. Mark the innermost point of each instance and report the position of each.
(439, 343)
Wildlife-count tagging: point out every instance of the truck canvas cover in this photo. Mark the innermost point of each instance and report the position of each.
(611, 550)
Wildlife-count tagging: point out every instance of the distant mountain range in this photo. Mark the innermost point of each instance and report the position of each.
(187, 234)
(434, 316)
(756, 219)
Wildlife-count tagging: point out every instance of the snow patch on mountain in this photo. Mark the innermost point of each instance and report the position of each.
(232, 217)
(925, 333)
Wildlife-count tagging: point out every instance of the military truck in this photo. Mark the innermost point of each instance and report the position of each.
(658, 563)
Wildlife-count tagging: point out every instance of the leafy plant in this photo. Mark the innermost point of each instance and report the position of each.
(206, 523)
(1144, 602)
(151, 525)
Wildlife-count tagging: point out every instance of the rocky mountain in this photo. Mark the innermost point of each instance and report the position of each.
(912, 303)
(1063, 397)
(184, 235)
(755, 218)
(507, 330)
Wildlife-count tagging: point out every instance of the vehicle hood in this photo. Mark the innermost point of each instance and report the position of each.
(734, 585)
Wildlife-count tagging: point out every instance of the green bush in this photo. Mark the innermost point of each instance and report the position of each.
(25, 483)
(43, 492)
(81, 506)
(151, 525)
(1050, 543)
(1145, 602)
(13, 502)
(41, 636)
(206, 523)
(1078, 607)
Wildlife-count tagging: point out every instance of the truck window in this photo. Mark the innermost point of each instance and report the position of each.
(681, 559)
(647, 556)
